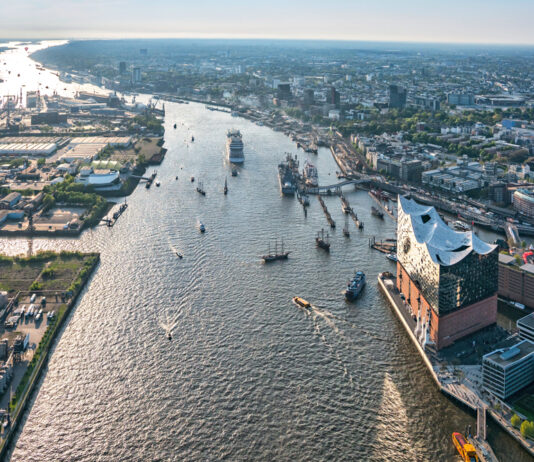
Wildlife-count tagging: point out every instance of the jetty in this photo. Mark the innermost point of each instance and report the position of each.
(382, 200)
(384, 246)
(109, 221)
(331, 222)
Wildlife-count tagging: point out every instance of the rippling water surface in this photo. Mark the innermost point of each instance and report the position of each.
(248, 376)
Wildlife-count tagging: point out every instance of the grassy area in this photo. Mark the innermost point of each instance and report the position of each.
(51, 271)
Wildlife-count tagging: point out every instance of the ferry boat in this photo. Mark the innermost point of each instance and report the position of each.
(310, 174)
(355, 286)
(234, 146)
(321, 242)
(376, 212)
(301, 302)
(269, 257)
(287, 175)
(466, 450)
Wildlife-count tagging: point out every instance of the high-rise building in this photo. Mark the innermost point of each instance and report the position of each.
(397, 97)
(309, 97)
(523, 200)
(136, 75)
(448, 278)
(122, 67)
(284, 91)
(334, 97)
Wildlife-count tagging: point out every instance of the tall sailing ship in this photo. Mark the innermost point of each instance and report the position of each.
(234, 146)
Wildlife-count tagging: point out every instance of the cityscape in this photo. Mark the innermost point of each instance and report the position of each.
(265, 246)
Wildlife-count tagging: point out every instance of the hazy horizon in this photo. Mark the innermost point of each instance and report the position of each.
(410, 21)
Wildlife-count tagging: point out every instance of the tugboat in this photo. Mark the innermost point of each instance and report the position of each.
(376, 212)
(355, 286)
(321, 242)
(301, 302)
(201, 227)
(225, 187)
(269, 257)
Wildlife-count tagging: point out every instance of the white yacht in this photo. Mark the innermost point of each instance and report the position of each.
(234, 147)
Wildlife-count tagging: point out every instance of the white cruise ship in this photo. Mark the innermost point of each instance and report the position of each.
(234, 147)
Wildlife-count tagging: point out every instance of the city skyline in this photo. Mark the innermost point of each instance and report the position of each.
(410, 21)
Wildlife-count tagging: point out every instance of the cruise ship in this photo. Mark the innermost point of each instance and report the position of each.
(288, 174)
(310, 174)
(234, 147)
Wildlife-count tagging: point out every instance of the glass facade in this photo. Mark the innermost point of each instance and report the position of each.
(447, 288)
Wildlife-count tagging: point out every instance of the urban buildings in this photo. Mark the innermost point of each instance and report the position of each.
(136, 75)
(397, 97)
(523, 202)
(516, 283)
(525, 326)
(448, 278)
(506, 371)
(461, 99)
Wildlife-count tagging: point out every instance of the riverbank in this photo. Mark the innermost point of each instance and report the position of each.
(460, 391)
(48, 284)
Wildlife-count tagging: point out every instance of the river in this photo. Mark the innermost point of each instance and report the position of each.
(247, 376)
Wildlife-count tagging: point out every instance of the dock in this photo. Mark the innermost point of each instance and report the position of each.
(386, 246)
(109, 221)
(380, 200)
(462, 391)
(331, 222)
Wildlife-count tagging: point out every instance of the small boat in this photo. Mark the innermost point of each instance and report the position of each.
(179, 255)
(355, 286)
(175, 126)
(346, 231)
(158, 184)
(192, 179)
(192, 139)
(321, 242)
(176, 176)
(225, 187)
(392, 257)
(466, 450)
(269, 257)
(301, 302)
(234, 171)
(200, 188)
(147, 186)
(376, 212)
(202, 228)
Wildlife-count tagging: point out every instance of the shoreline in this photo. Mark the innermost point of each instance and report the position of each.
(22, 404)
(453, 393)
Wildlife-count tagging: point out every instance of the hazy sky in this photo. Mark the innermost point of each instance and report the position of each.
(478, 21)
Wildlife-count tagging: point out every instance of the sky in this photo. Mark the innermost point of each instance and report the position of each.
(449, 21)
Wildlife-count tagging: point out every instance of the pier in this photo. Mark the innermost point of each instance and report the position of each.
(110, 221)
(387, 246)
(461, 391)
(331, 222)
(378, 197)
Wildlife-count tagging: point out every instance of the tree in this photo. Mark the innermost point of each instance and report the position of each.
(41, 162)
(516, 421)
(48, 201)
(527, 429)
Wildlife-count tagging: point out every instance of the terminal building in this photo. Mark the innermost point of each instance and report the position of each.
(448, 278)
(508, 370)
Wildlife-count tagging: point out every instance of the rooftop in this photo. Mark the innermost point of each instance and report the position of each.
(445, 246)
(506, 259)
(507, 356)
(526, 321)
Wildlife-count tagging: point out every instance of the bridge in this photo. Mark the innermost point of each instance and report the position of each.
(335, 188)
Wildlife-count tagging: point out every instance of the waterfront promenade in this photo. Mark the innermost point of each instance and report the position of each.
(465, 390)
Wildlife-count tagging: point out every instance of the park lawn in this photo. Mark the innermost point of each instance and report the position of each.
(18, 275)
(525, 406)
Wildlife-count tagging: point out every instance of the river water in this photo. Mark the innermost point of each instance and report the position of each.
(247, 376)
